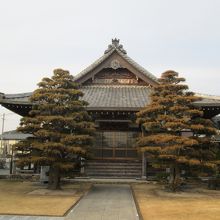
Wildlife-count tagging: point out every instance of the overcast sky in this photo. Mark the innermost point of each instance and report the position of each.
(39, 36)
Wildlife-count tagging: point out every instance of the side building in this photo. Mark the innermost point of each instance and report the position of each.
(116, 88)
(8, 139)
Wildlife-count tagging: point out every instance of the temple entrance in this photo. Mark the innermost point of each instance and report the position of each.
(115, 145)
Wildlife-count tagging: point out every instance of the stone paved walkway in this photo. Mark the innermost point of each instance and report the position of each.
(15, 217)
(103, 202)
(106, 202)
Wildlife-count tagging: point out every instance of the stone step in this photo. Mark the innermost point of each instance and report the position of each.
(100, 169)
(113, 163)
(115, 175)
(110, 169)
(113, 169)
(114, 166)
(109, 162)
(109, 178)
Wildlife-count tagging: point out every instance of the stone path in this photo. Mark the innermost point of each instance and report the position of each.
(106, 202)
(15, 217)
(103, 202)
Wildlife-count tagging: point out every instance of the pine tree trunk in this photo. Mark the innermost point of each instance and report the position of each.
(172, 174)
(54, 178)
(174, 177)
(177, 173)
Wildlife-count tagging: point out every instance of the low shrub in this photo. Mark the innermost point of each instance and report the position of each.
(162, 177)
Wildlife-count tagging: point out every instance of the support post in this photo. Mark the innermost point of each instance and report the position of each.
(3, 124)
(12, 163)
(144, 166)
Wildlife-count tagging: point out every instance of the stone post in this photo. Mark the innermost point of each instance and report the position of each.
(44, 177)
(144, 166)
(82, 166)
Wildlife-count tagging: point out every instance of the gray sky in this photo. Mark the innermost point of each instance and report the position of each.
(39, 36)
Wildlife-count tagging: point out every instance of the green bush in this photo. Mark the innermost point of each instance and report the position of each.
(162, 177)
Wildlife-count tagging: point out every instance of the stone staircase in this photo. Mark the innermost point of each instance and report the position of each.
(113, 169)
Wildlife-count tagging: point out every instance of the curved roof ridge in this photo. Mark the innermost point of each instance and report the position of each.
(207, 96)
(114, 86)
(18, 95)
(93, 65)
(137, 66)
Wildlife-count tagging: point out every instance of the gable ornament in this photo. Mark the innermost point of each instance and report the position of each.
(115, 45)
(115, 64)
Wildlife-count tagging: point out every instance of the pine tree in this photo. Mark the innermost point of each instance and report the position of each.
(61, 127)
(170, 113)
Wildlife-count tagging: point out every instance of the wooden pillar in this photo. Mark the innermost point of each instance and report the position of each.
(144, 164)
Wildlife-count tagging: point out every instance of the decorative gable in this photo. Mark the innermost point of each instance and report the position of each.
(115, 67)
(115, 76)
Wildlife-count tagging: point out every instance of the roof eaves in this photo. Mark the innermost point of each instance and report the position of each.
(137, 66)
(93, 65)
(20, 98)
(9, 101)
(18, 95)
(125, 109)
(213, 97)
(206, 104)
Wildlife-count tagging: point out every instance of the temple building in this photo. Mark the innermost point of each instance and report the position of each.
(116, 88)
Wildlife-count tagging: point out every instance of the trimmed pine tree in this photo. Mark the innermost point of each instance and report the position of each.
(61, 127)
(163, 122)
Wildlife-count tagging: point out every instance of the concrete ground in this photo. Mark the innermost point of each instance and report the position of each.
(103, 202)
(12, 217)
(107, 180)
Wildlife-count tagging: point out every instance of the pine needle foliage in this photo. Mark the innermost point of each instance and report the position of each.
(163, 122)
(61, 127)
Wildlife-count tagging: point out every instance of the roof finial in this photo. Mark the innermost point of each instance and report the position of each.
(115, 45)
(115, 42)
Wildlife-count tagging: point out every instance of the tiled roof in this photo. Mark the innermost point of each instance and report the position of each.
(92, 66)
(19, 97)
(116, 96)
(112, 97)
(101, 96)
(208, 100)
(137, 66)
(14, 135)
(217, 138)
